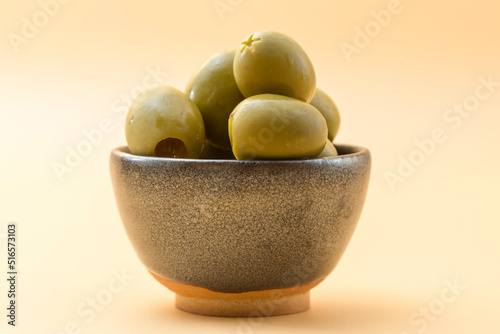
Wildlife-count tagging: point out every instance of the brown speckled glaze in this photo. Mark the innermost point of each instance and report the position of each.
(238, 226)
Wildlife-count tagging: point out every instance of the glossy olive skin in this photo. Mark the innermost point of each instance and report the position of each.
(273, 63)
(327, 107)
(270, 126)
(163, 121)
(214, 91)
(328, 151)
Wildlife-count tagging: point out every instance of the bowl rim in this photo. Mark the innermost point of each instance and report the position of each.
(352, 151)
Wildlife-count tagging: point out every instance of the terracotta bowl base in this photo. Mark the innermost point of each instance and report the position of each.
(262, 303)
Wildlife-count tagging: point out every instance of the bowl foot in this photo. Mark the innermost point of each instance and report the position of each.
(262, 303)
(244, 307)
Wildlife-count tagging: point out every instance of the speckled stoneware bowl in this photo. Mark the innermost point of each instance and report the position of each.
(240, 238)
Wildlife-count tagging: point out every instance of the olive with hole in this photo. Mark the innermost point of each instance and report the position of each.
(214, 91)
(327, 107)
(164, 122)
(273, 63)
(270, 126)
(328, 151)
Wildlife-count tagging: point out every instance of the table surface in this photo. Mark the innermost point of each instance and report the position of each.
(415, 82)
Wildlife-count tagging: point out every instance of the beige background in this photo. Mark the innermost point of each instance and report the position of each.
(440, 225)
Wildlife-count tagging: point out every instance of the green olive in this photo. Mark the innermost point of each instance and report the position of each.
(273, 63)
(328, 151)
(270, 126)
(164, 122)
(212, 152)
(215, 93)
(327, 107)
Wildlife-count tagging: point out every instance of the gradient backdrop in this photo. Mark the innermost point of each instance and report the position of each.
(416, 81)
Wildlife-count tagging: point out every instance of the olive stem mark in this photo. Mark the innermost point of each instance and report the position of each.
(249, 42)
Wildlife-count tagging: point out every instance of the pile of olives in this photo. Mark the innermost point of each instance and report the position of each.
(258, 101)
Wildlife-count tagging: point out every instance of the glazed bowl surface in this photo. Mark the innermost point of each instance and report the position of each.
(234, 226)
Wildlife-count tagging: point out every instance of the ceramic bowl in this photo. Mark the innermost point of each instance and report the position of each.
(240, 238)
